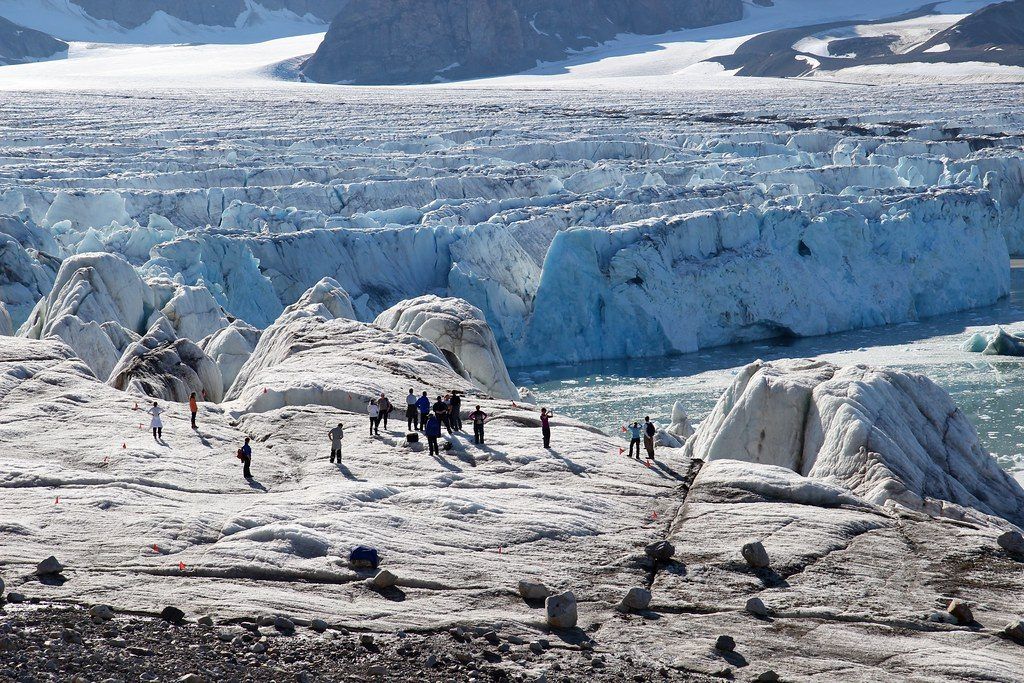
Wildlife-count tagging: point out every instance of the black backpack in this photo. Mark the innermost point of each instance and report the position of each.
(650, 429)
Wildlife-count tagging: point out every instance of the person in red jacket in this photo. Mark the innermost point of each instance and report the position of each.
(194, 407)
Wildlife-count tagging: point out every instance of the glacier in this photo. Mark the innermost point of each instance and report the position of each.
(643, 240)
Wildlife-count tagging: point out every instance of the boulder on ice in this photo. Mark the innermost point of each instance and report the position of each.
(892, 438)
(459, 330)
(163, 366)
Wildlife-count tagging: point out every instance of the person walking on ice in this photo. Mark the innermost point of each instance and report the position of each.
(373, 410)
(412, 413)
(155, 422)
(545, 426)
(384, 405)
(423, 406)
(634, 439)
(194, 408)
(245, 455)
(432, 429)
(478, 417)
(649, 431)
(455, 411)
(335, 436)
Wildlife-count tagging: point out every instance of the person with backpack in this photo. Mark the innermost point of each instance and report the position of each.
(335, 436)
(478, 417)
(423, 406)
(412, 413)
(545, 426)
(374, 412)
(245, 455)
(155, 422)
(634, 439)
(432, 428)
(456, 411)
(649, 431)
(194, 408)
(385, 407)
(441, 411)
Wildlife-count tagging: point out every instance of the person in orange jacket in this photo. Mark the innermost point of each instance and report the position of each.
(194, 407)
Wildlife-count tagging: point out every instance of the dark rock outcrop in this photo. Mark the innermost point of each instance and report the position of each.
(19, 44)
(992, 34)
(133, 13)
(419, 41)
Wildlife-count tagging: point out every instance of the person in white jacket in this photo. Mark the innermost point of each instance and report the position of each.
(374, 412)
(155, 422)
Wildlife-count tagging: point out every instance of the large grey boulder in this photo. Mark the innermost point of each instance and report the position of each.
(49, 567)
(755, 555)
(561, 610)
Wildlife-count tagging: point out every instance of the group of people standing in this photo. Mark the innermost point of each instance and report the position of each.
(647, 432)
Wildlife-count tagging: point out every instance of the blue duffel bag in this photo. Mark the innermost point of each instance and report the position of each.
(364, 556)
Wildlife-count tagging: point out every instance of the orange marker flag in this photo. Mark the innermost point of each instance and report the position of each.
(56, 500)
(181, 566)
(621, 451)
(124, 446)
(623, 428)
(156, 548)
(654, 515)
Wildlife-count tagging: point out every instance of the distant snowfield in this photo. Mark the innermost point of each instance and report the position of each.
(103, 57)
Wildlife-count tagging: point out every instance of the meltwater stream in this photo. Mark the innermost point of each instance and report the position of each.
(989, 389)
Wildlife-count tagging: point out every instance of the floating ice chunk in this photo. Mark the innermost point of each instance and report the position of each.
(461, 333)
(976, 343)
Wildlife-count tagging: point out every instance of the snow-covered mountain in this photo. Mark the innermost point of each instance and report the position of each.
(416, 41)
(924, 39)
(172, 21)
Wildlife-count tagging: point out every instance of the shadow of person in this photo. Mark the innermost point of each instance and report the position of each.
(347, 473)
(394, 593)
(255, 485)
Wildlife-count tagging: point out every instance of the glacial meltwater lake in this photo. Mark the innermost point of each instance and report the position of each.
(989, 389)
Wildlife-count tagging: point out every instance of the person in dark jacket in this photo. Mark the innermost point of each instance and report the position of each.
(478, 417)
(384, 403)
(246, 452)
(649, 431)
(432, 428)
(545, 426)
(423, 405)
(412, 413)
(441, 410)
(456, 411)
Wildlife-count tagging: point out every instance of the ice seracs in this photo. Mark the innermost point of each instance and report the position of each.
(97, 303)
(892, 438)
(161, 365)
(230, 348)
(460, 331)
